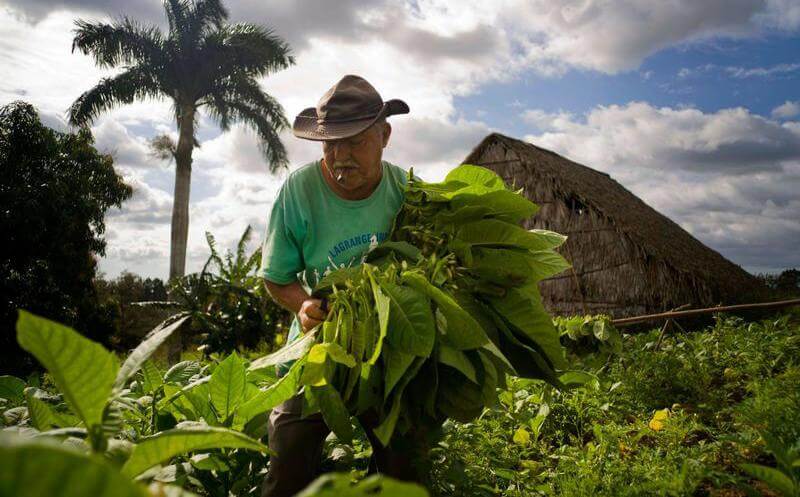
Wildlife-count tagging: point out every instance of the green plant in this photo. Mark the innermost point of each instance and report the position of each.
(589, 339)
(226, 301)
(38, 166)
(438, 314)
(93, 386)
(785, 478)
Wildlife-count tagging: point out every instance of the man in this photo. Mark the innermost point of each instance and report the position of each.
(327, 215)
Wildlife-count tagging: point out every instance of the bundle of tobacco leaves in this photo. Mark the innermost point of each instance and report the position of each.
(430, 325)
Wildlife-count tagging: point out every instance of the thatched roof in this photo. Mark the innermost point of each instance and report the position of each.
(658, 239)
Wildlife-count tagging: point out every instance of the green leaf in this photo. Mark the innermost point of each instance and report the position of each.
(29, 468)
(289, 352)
(504, 204)
(458, 399)
(172, 392)
(411, 326)
(385, 430)
(458, 361)
(528, 362)
(524, 310)
(404, 249)
(209, 462)
(164, 446)
(382, 308)
(12, 388)
(340, 485)
(282, 390)
(198, 397)
(396, 363)
(487, 378)
(339, 277)
(178, 404)
(772, 477)
(463, 331)
(474, 175)
(318, 369)
(537, 421)
(144, 350)
(338, 354)
(42, 417)
(227, 385)
(83, 370)
(497, 233)
(579, 379)
(369, 387)
(182, 372)
(151, 377)
(511, 267)
(333, 411)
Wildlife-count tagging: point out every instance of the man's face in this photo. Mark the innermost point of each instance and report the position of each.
(355, 162)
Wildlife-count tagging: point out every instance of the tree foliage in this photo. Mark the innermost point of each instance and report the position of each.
(55, 189)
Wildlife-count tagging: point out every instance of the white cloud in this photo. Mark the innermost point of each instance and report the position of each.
(762, 72)
(729, 177)
(786, 110)
(427, 52)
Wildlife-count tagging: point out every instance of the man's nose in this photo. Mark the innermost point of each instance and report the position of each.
(341, 150)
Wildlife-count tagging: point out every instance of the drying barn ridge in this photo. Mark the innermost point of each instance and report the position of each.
(627, 258)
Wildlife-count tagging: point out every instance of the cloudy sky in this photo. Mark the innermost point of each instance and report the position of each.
(694, 105)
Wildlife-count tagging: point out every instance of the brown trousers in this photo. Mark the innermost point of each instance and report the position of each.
(298, 443)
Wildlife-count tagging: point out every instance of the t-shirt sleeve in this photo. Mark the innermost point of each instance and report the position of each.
(281, 256)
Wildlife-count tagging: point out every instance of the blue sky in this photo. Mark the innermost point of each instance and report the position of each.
(693, 105)
(658, 81)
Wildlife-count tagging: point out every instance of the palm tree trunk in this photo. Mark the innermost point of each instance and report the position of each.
(180, 212)
(180, 205)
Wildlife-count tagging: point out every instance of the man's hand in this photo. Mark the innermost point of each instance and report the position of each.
(311, 314)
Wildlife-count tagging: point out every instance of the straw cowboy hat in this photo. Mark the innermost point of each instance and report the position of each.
(348, 108)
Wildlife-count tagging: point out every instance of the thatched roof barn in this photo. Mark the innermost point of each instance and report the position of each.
(627, 258)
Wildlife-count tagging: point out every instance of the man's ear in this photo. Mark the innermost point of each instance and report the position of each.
(387, 132)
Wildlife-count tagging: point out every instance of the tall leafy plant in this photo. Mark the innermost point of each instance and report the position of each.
(226, 301)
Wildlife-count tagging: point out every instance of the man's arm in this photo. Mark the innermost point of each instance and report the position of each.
(295, 299)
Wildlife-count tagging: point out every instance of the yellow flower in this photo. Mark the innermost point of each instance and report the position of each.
(522, 437)
(657, 422)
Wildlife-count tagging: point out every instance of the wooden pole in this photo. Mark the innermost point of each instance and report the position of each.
(666, 325)
(697, 312)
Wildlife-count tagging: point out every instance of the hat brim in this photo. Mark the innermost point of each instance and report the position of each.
(306, 126)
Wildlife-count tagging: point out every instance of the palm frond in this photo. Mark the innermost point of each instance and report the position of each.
(217, 109)
(246, 48)
(247, 90)
(123, 43)
(177, 12)
(124, 88)
(269, 141)
(240, 99)
(209, 13)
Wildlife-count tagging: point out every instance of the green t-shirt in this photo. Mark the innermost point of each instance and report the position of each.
(312, 231)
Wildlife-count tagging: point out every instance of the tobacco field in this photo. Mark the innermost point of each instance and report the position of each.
(442, 329)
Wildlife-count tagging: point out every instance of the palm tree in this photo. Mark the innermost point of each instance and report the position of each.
(202, 62)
